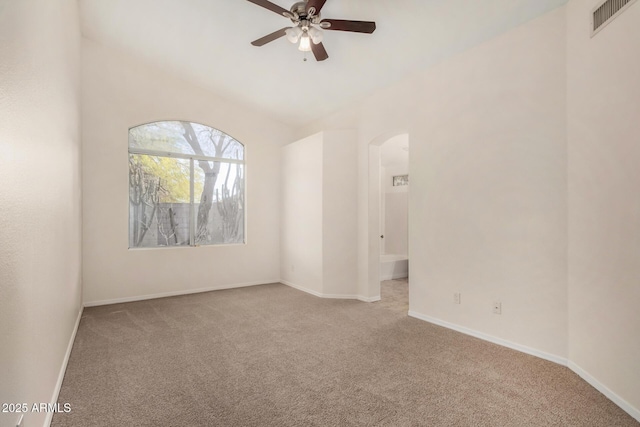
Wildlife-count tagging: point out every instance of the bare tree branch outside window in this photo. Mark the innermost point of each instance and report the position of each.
(186, 186)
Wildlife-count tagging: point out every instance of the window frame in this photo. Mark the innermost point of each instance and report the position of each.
(192, 158)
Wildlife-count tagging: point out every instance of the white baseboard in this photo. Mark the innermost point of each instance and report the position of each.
(63, 368)
(394, 276)
(626, 406)
(339, 296)
(328, 296)
(176, 293)
(486, 337)
(220, 288)
(301, 288)
(623, 404)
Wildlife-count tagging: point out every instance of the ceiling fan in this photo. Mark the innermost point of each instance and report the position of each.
(308, 25)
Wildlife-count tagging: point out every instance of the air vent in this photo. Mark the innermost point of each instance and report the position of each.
(607, 12)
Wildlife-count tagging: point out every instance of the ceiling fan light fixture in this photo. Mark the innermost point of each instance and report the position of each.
(293, 34)
(316, 35)
(305, 43)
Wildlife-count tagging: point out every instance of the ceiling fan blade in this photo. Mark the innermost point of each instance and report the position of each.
(353, 26)
(272, 7)
(319, 51)
(270, 37)
(316, 5)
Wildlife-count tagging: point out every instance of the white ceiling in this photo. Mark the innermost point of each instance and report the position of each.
(208, 43)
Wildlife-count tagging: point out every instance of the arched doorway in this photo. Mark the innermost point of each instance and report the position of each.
(388, 257)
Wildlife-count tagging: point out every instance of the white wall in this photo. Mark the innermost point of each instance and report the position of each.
(396, 222)
(396, 210)
(604, 199)
(40, 219)
(301, 255)
(339, 213)
(488, 213)
(120, 92)
(319, 206)
(488, 189)
(503, 207)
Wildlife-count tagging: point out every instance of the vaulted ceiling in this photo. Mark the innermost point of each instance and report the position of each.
(208, 42)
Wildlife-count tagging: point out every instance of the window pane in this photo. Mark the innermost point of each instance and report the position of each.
(215, 143)
(219, 203)
(167, 208)
(160, 136)
(159, 196)
(185, 138)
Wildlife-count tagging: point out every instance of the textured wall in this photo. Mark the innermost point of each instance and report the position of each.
(301, 214)
(524, 188)
(318, 223)
(604, 200)
(339, 213)
(119, 92)
(487, 206)
(396, 210)
(396, 216)
(40, 219)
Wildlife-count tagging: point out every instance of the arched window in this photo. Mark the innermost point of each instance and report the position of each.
(186, 186)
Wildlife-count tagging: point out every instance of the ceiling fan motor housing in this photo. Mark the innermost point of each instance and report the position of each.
(299, 13)
(299, 8)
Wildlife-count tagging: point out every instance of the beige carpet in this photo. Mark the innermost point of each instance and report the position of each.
(394, 295)
(274, 356)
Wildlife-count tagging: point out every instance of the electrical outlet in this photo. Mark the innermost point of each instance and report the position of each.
(497, 307)
(456, 298)
(20, 423)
